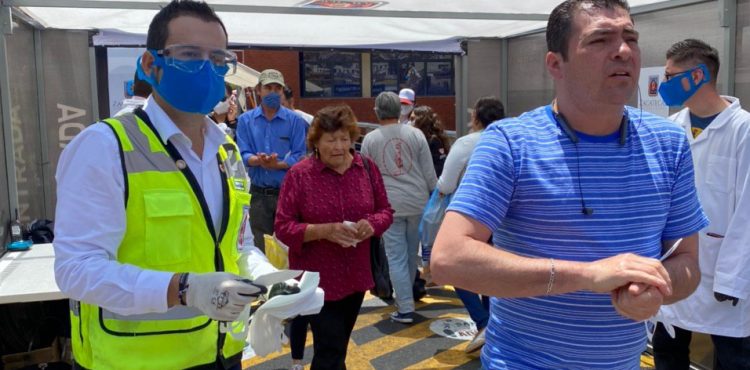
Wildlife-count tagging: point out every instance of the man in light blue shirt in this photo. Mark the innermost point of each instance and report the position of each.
(272, 140)
(582, 198)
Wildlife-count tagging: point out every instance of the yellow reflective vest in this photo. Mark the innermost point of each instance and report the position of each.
(168, 229)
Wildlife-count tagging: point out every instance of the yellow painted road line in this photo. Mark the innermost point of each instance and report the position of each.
(647, 361)
(363, 320)
(361, 355)
(383, 313)
(362, 359)
(448, 359)
(436, 300)
(359, 360)
(285, 351)
(373, 317)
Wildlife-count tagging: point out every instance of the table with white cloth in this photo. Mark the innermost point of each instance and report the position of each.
(29, 276)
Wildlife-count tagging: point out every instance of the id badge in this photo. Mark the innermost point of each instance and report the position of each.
(244, 229)
(235, 169)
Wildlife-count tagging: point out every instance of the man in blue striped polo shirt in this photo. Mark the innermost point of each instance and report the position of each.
(582, 198)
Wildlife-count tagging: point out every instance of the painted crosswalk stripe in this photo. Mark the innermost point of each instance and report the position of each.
(378, 343)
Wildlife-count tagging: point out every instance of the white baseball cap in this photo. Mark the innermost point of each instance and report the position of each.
(406, 96)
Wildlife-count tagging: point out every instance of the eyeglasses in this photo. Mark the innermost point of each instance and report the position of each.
(191, 59)
(669, 76)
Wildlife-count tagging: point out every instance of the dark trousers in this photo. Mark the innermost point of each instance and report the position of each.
(262, 215)
(674, 353)
(477, 306)
(331, 330)
(298, 336)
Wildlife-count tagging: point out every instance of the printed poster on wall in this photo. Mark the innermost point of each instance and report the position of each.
(650, 100)
(121, 69)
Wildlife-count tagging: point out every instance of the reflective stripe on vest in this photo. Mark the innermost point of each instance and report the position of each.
(166, 230)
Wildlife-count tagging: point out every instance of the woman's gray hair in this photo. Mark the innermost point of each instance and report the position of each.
(387, 105)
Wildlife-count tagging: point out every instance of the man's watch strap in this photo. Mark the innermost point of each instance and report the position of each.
(182, 288)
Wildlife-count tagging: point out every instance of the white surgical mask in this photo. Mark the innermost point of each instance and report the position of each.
(222, 107)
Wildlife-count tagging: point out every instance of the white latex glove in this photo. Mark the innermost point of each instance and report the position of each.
(220, 295)
(239, 328)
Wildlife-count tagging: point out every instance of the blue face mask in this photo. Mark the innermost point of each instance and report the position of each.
(190, 92)
(272, 100)
(674, 92)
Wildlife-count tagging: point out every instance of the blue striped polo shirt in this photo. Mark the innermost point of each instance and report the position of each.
(523, 183)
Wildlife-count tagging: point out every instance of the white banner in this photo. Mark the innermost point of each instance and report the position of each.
(121, 69)
(650, 100)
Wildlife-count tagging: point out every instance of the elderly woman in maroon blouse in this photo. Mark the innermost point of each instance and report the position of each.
(329, 208)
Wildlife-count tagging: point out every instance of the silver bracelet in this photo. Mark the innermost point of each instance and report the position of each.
(551, 276)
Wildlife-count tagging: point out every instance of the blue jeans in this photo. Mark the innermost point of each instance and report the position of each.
(401, 246)
(479, 308)
(426, 253)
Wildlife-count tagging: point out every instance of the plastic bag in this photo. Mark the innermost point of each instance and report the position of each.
(277, 252)
(433, 215)
(266, 327)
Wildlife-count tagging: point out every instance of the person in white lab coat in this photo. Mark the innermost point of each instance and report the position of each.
(719, 133)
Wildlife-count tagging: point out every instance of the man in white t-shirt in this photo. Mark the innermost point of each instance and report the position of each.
(403, 157)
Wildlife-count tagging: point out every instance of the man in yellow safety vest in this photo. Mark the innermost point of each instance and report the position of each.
(152, 211)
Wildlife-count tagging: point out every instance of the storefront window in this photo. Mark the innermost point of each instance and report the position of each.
(331, 74)
(426, 74)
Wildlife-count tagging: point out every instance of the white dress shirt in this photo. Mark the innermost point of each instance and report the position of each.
(90, 218)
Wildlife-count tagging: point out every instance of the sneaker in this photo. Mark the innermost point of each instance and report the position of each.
(404, 318)
(297, 367)
(476, 343)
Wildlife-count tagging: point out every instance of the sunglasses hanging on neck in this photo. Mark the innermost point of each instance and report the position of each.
(571, 134)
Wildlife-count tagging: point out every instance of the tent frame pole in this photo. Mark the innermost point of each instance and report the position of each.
(728, 21)
(6, 104)
(46, 171)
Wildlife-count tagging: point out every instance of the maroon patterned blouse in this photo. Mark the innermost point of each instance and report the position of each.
(314, 194)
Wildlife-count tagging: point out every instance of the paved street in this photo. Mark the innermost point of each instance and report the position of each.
(381, 344)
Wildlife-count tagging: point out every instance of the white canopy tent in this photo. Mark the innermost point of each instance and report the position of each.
(420, 25)
(244, 77)
(408, 25)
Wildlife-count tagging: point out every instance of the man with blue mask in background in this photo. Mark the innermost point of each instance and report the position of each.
(272, 140)
(718, 130)
(151, 210)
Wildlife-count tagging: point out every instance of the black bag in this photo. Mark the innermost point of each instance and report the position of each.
(419, 289)
(380, 273)
(40, 231)
(378, 260)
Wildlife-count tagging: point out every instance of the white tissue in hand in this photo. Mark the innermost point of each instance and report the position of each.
(352, 225)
